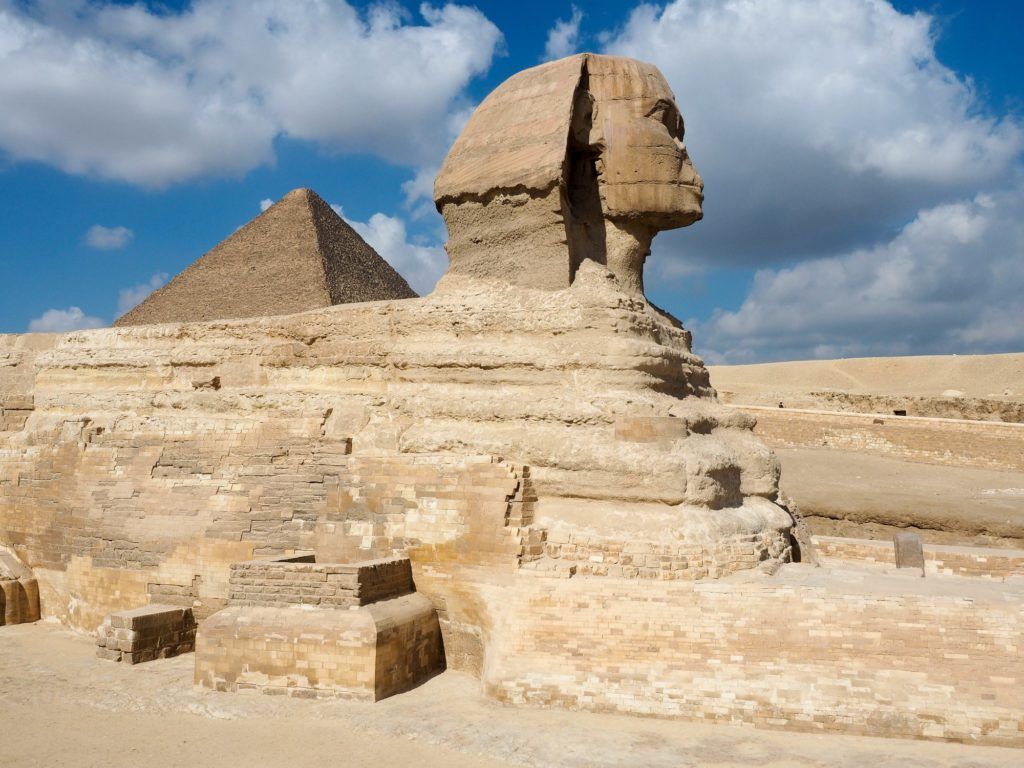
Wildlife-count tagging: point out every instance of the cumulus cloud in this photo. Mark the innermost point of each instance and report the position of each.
(61, 320)
(265, 203)
(421, 264)
(817, 124)
(950, 281)
(563, 38)
(131, 297)
(108, 238)
(153, 98)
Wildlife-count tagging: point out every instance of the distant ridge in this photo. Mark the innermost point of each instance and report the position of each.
(295, 256)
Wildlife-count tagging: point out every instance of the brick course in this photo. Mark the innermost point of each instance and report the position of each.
(145, 634)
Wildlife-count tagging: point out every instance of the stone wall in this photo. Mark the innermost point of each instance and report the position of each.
(144, 461)
(975, 562)
(368, 653)
(146, 633)
(961, 443)
(300, 581)
(820, 650)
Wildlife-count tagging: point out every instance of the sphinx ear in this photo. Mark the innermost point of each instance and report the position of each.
(586, 131)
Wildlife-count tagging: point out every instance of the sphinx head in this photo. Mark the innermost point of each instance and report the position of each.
(578, 159)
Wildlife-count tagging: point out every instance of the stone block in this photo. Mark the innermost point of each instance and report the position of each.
(147, 633)
(909, 551)
(368, 652)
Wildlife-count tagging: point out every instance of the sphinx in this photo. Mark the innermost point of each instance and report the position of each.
(534, 416)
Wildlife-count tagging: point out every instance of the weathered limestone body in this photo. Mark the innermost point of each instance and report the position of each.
(309, 629)
(143, 634)
(580, 159)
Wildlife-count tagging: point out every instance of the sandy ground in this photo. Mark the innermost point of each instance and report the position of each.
(854, 494)
(974, 375)
(60, 706)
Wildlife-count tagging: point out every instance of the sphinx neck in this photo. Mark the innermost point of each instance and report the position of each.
(627, 245)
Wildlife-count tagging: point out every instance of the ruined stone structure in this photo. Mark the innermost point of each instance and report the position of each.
(143, 634)
(303, 628)
(593, 528)
(297, 255)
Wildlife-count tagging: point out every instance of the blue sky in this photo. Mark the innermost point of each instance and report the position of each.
(862, 160)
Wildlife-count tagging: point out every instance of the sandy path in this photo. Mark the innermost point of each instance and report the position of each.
(62, 706)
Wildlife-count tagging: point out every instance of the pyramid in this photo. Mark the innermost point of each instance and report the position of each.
(297, 255)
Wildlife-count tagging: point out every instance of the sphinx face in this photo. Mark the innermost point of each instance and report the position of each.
(644, 171)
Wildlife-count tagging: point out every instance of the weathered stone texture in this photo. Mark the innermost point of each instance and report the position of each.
(368, 653)
(371, 430)
(816, 650)
(279, 582)
(147, 633)
(972, 562)
(575, 160)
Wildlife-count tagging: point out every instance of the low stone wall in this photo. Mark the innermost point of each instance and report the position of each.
(299, 581)
(367, 653)
(977, 562)
(147, 633)
(814, 649)
(987, 445)
(587, 554)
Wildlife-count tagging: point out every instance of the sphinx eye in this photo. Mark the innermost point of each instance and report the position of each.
(666, 113)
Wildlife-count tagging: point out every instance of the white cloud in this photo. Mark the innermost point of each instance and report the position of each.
(563, 38)
(108, 238)
(265, 203)
(950, 281)
(131, 297)
(420, 264)
(152, 98)
(817, 124)
(61, 320)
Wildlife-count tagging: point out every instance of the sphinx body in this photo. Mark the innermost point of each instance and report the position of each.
(534, 416)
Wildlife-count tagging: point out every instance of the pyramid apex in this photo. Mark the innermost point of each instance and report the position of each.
(303, 192)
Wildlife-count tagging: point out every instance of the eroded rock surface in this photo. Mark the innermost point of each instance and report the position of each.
(533, 423)
(579, 159)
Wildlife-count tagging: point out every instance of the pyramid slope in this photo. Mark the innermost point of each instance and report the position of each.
(295, 256)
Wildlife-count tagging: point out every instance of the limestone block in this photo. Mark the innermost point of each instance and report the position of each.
(368, 652)
(147, 633)
(909, 551)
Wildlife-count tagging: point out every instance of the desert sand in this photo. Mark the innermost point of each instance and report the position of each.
(972, 375)
(841, 493)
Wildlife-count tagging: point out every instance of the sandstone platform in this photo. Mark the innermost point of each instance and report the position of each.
(307, 629)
